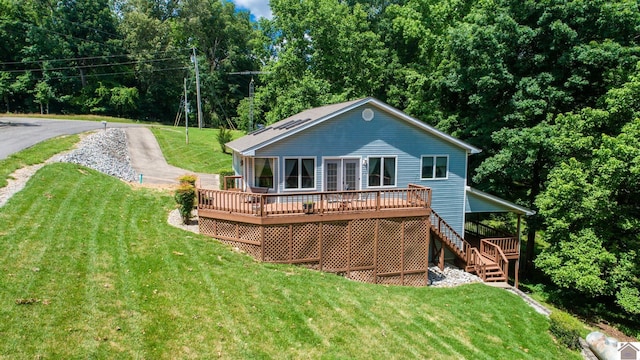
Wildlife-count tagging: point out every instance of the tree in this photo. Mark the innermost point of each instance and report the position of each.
(326, 51)
(149, 39)
(592, 216)
(224, 39)
(511, 67)
(43, 94)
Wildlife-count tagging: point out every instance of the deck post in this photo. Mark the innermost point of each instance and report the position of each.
(262, 242)
(349, 249)
(518, 259)
(426, 255)
(262, 206)
(320, 244)
(290, 243)
(375, 251)
(402, 253)
(441, 258)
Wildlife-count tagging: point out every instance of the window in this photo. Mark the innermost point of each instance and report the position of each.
(435, 167)
(382, 171)
(263, 172)
(300, 173)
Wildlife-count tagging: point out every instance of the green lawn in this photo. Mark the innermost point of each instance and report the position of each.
(202, 154)
(90, 269)
(34, 155)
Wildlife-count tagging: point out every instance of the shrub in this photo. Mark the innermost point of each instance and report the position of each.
(185, 196)
(224, 136)
(188, 179)
(566, 329)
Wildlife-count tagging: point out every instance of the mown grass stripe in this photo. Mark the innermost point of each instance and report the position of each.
(179, 295)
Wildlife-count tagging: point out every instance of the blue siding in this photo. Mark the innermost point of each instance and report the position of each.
(348, 135)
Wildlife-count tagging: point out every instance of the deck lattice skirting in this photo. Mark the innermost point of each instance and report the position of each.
(376, 250)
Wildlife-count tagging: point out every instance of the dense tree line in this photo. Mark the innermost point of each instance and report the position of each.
(124, 57)
(549, 89)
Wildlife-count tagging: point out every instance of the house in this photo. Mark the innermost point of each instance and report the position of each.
(628, 351)
(359, 150)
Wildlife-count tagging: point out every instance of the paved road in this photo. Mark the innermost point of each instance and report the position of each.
(20, 133)
(147, 159)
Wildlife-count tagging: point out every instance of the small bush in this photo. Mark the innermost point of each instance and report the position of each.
(222, 175)
(185, 196)
(566, 329)
(188, 179)
(224, 136)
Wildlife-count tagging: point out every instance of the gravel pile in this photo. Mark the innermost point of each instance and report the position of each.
(450, 276)
(105, 151)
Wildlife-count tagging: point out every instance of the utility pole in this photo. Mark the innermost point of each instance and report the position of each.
(195, 62)
(186, 112)
(251, 92)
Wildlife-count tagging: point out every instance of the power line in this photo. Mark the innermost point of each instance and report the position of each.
(71, 37)
(84, 58)
(89, 66)
(116, 73)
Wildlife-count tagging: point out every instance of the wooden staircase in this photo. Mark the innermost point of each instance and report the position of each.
(488, 261)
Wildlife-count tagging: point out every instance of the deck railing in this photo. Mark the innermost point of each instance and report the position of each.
(483, 230)
(313, 202)
(495, 254)
(476, 262)
(509, 245)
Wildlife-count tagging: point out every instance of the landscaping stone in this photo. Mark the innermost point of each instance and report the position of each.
(105, 151)
(450, 276)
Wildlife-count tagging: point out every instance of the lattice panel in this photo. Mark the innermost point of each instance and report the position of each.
(207, 226)
(305, 241)
(363, 234)
(415, 280)
(226, 229)
(362, 276)
(253, 250)
(390, 280)
(389, 245)
(249, 232)
(276, 243)
(335, 246)
(415, 244)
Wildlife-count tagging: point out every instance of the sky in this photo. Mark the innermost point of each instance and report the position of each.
(258, 8)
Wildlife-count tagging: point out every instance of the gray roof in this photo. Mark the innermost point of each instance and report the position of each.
(508, 206)
(248, 144)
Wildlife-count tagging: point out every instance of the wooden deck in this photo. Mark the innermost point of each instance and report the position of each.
(259, 208)
(378, 236)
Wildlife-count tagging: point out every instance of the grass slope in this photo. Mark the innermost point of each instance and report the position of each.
(35, 155)
(202, 154)
(107, 277)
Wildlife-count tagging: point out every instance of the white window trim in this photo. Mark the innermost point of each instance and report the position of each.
(342, 159)
(434, 178)
(382, 157)
(274, 170)
(299, 188)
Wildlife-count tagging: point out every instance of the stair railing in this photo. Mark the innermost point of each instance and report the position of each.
(495, 253)
(448, 235)
(475, 260)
